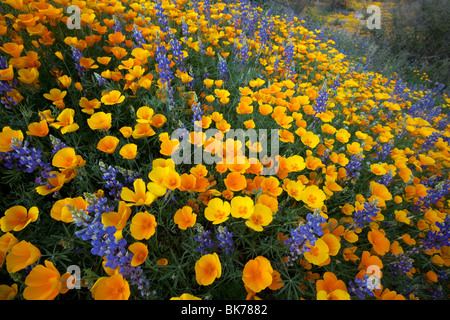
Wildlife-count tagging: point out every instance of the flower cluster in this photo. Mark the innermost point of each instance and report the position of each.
(305, 233)
(213, 149)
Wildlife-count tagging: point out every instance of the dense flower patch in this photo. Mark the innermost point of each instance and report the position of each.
(96, 204)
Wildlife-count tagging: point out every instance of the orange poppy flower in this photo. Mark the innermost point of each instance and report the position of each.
(265, 109)
(169, 146)
(310, 139)
(21, 256)
(88, 106)
(295, 189)
(333, 288)
(379, 192)
(313, 196)
(142, 130)
(257, 274)
(7, 74)
(271, 186)
(114, 287)
(235, 181)
(112, 97)
(172, 180)
(184, 218)
(108, 144)
(60, 210)
(13, 49)
(6, 138)
(368, 260)
(343, 135)
(207, 269)
(53, 185)
(65, 121)
(116, 37)
(242, 207)
(277, 282)
(188, 182)
(380, 243)
(17, 218)
(44, 282)
(349, 254)
(143, 225)
(144, 114)
(140, 253)
(117, 219)
(217, 210)
(261, 217)
(119, 52)
(38, 129)
(126, 131)
(208, 83)
(65, 158)
(139, 197)
(16, 4)
(129, 151)
(88, 63)
(318, 253)
(7, 241)
(157, 177)
(100, 121)
(65, 81)
(28, 75)
(8, 292)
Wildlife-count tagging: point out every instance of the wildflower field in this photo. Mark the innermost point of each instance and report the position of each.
(120, 178)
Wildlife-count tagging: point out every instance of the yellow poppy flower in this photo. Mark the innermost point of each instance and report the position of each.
(207, 269)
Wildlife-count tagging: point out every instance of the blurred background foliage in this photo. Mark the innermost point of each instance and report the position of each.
(413, 40)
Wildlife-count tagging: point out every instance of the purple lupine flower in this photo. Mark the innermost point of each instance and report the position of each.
(165, 73)
(104, 242)
(241, 54)
(438, 238)
(22, 158)
(76, 56)
(402, 265)
(6, 87)
(177, 53)
(163, 20)
(203, 238)
(198, 112)
(139, 39)
(225, 239)
(223, 69)
(321, 101)
(363, 217)
(288, 60)
(264, 33)
(184, 28)
(110, 177)
(354, 166)
(361, 287)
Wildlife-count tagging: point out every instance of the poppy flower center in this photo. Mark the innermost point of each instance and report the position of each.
(257, 220)
(312, 198)
(242, 210)
(219, 214)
